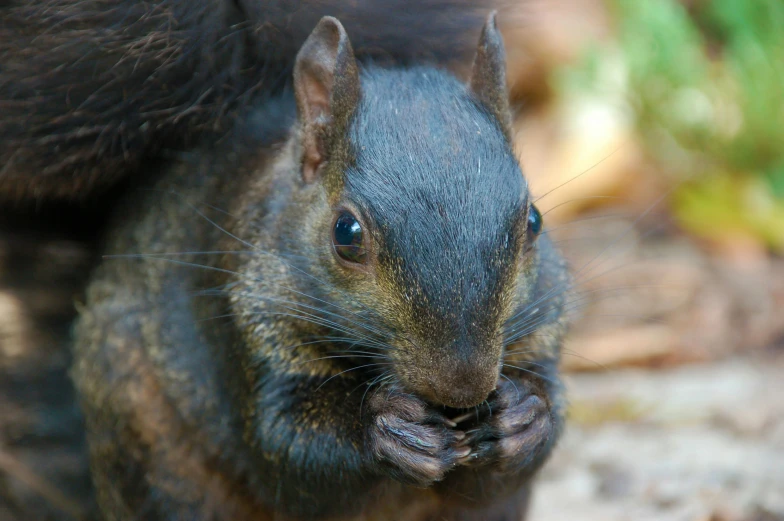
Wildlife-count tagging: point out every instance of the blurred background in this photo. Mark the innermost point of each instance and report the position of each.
(652, 134)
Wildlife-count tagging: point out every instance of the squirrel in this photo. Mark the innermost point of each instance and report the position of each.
(337, 302)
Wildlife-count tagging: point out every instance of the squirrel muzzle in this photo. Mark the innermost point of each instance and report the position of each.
(462, 374)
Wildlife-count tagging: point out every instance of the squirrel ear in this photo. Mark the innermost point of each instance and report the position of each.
(488, 76)
(326, 87)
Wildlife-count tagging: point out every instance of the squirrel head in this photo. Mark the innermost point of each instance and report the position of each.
(414, 209)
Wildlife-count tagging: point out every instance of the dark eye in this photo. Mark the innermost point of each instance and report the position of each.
(347, 238)
(534, 223)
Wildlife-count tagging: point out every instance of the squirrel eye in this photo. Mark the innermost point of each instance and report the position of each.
(347, 238)
(534, 223)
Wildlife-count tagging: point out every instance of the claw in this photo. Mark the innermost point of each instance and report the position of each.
(462, 453)
(463, 417)
(468, 459)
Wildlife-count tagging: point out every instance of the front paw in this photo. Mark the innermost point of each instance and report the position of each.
(413, 443)
(514, 435)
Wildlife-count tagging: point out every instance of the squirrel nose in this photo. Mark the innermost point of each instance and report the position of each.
(463, 384)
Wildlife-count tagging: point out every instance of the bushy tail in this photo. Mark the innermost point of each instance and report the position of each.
(90, 88)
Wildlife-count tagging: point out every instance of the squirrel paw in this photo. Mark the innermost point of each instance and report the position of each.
(415, 444)
(514, 434)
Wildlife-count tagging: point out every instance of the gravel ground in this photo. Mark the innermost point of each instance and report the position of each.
(693, 443)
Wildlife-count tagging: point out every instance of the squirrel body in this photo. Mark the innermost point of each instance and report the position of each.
(250, 353)
(338, 308)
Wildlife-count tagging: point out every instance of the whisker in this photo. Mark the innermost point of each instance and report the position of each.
(349, 370)
(522, 351)
(313, 308)
(578, 277)
(578, 175)
(338, 357)
(252, 247)
(364, 325)
(306, 317)
(584, 198)
(530, 328)
(515, 386)
(543, 377)
(555, 292)
(380, 378)
(592, 296)
(273, 299)
(337, 338)
(216, 225)
(201, 252)
(569, 352)
(628, 230)
(247, 244)
(533, 363)
(231, 272)
(574, 222)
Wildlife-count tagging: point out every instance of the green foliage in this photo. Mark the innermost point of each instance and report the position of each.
(706, 91)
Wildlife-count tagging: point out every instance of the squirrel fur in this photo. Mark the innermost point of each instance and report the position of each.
(91, 89)
(230, 361)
